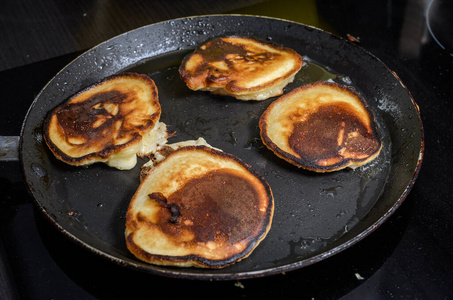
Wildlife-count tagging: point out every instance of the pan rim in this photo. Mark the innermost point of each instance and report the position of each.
(221, 275)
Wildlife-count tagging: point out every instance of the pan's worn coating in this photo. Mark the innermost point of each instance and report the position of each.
(316, 215)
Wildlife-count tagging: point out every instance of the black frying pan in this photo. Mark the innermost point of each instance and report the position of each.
(316, 215)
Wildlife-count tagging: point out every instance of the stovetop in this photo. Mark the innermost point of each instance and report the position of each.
(409, 257)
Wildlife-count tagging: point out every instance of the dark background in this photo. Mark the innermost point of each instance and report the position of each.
(409, 257)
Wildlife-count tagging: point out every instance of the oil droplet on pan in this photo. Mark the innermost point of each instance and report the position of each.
(38, 170)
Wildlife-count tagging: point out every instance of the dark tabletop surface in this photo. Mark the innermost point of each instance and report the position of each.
(408, 257)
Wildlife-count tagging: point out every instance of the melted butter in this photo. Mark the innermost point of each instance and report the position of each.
(312, 72)
(160, 63)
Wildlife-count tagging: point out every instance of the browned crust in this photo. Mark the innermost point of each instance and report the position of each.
(308, 164)
(108, 151)
(197, 260)
(232, 86)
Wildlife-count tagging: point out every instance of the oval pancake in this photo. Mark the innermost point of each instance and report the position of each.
(321, 127)
(110, 121)
(199, 207)
(241, 67)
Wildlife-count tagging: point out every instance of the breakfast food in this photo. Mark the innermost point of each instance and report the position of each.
(241, 67)
(321, 127)
(161, 153)
(111, 121)
(199, 207)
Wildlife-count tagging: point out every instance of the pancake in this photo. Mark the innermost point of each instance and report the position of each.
(111, 121)
(161, 153)
(240, 67)
(321, 127)
(199, 207)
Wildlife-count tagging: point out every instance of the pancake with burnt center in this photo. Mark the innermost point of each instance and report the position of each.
(111, 121)
(321, 127)
(199, 207)
(241, 67)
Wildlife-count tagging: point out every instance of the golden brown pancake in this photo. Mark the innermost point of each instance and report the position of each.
(161, 153)
(111, 121)
(321, 127)
(241, 67)
(199, 207)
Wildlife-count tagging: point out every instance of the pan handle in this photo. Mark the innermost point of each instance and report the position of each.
(9, 148)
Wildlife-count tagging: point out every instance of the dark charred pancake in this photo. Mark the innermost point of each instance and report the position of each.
(110, 121)
(199, 207)
(321, 127)
(241, 67)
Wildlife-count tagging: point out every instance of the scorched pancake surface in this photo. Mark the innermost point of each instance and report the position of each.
(103, 121)
(321, 127)
(241, 67)
(198, 207)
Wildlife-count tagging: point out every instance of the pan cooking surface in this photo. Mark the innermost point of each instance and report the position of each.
(316, 215)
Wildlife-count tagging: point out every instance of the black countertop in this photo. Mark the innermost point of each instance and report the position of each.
(409, 257)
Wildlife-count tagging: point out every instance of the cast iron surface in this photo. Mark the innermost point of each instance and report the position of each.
(316, 215)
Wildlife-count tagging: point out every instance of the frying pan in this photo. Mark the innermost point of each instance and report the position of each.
(316, 215)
